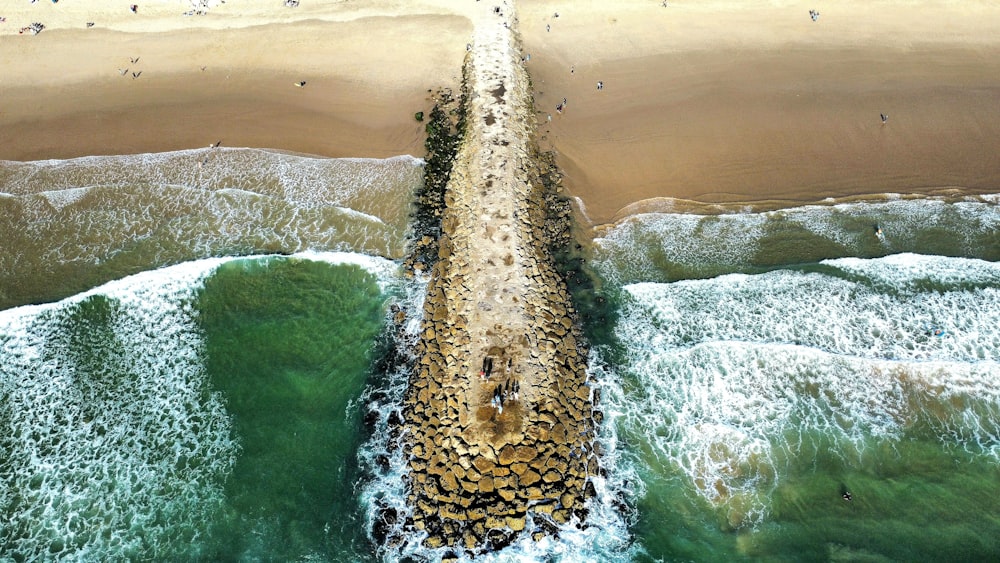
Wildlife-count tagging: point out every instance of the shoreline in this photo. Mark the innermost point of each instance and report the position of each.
(717, 103)
(70, 92)
(666, 205)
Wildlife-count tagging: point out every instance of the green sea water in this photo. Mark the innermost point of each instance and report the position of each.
(288, 345)
(219, 418)
(206, 412)
(910, 502)
(766, 364)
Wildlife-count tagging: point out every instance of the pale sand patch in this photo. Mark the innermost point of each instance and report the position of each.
(736, 102)
(367, 66)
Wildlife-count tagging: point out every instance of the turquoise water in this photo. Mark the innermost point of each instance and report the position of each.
(287, 344)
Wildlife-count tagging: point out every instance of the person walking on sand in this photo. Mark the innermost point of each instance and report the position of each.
(600, 84)
(885, 118)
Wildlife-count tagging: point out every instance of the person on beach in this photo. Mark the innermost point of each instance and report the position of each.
(885, 118)
(498, 400)
(134, 8)
(600, 84)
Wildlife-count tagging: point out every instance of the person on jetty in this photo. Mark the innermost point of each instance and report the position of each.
(487, 368)
(497, 401)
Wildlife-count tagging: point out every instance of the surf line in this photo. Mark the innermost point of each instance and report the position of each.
(498, 417)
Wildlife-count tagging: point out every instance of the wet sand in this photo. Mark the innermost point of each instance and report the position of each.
(713, 101)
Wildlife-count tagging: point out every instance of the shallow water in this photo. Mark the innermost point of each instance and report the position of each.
(752, 401)
(665, 247)
(69, 225)
(287, 344)
(198, 412)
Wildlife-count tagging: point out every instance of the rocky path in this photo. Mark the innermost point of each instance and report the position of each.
(498, 415)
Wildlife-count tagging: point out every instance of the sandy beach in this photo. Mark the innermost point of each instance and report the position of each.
(720, 102)
(227, 75)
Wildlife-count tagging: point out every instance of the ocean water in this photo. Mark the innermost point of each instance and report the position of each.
(198, 412)
(766, 363)
(70, 225)
(196, 363)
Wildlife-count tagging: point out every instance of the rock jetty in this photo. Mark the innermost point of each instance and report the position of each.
(498, 424)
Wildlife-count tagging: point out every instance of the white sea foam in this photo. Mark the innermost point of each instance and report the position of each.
(635, 245)
(305, 180)
(833, 314)
(61, 198)
(740, 375)
(903, 271)
(113, 447)
(184, 205)
(641, 246)
(111, 444)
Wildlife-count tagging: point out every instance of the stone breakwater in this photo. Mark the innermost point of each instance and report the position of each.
(498, 425)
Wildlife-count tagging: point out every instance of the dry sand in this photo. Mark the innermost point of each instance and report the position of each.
(755, 102)
(367, 68)
(714, 101)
